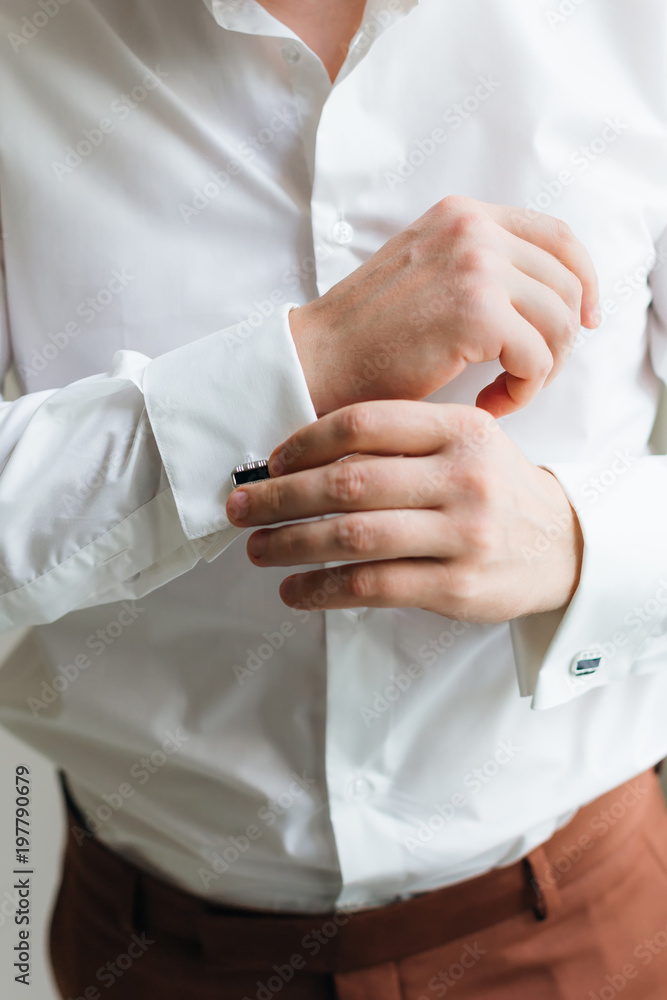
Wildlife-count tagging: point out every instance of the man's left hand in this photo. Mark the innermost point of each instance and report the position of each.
(438, 509)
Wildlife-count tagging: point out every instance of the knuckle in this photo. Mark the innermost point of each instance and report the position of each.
(464, 583)
(352, 422)
(571, 331)
(523, 223)
(482, 532)
(477, 261)
(466, 225)
(273, 494)
(292, 542)
(344, 481)
(354, 534)
(363, 583)
(474, 306)
(453, 205)
(474, 429)
(473, 417)
(485, 423)
(562, 233)
(475, 481)
(543, 364)
(574, 288)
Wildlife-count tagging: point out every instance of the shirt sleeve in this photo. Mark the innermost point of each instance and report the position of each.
(115, 484)
(615, 626)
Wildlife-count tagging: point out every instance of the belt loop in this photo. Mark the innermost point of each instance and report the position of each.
(539, 876)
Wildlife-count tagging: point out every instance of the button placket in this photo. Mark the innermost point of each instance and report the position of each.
(342, 232)
(360, 663)
(358, 788)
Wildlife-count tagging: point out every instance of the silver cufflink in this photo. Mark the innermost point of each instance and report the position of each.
(251, 472)
(586, 662)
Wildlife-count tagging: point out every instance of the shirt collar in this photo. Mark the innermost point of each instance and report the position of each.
(250, 17)
(247, 16)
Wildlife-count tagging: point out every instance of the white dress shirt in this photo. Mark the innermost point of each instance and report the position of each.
(174, 177)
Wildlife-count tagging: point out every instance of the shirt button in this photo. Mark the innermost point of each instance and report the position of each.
(291, 54)
(358, 789)
(586, 662)
(342, 233)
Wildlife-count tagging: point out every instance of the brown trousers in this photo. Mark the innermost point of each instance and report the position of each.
(584, 917)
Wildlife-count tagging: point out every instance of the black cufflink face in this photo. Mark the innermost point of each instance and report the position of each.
(586, 662)
(251, 472)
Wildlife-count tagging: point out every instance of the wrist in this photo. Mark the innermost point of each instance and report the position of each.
(314, 344)
(570, 542)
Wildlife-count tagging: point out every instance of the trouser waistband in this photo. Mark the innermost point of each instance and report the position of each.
(234, 938)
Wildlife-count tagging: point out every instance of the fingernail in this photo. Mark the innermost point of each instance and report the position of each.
(288, 588)
(257, 543)
(596, 315)
(237, 505)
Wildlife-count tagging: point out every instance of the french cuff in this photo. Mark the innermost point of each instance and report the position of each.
(223, 400)
(620, 604)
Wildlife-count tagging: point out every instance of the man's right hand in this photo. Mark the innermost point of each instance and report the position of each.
(467, 282)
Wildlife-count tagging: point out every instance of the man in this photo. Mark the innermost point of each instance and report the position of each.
(340, 238)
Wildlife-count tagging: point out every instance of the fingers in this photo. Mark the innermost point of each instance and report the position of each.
(542, 332)
(556, 237)
(547, 313)
(378, 534)
(389, 427)
(380, 426)
(377, 484)
(543, 267)
(527, 361)
(399, 583)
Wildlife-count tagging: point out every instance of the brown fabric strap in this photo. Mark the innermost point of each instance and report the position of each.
(233, 938)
